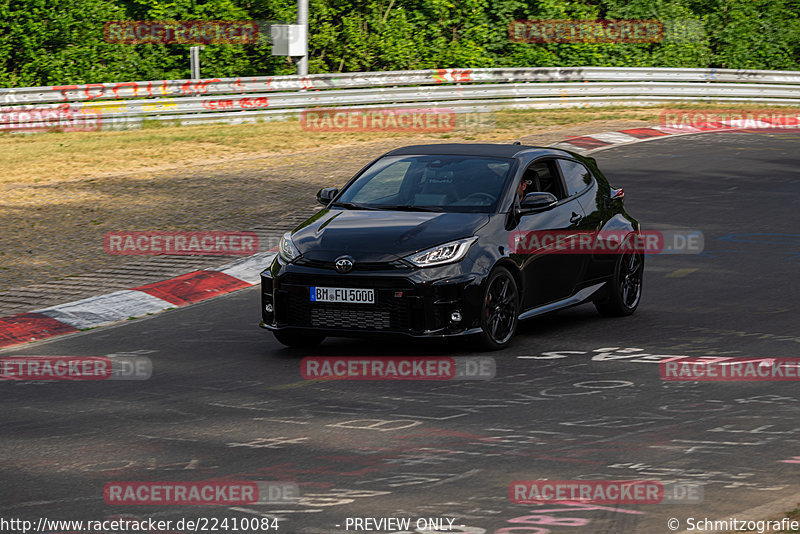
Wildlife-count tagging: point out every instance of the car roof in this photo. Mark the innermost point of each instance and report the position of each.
(475, 149)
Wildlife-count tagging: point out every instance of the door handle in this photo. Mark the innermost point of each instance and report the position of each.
(576, 218)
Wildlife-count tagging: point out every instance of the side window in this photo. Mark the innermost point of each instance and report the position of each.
(576, 176)
(542, 176)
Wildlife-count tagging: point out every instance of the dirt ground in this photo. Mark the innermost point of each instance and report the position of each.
(53, 227)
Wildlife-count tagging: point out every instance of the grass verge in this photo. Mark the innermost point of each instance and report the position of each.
(58, 156)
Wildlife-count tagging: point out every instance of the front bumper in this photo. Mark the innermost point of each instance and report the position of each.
(411, 302)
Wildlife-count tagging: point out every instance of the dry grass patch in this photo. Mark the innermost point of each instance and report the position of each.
(57, 156)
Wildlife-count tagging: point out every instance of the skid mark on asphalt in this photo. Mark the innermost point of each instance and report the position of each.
(292, 385)
(680, 273)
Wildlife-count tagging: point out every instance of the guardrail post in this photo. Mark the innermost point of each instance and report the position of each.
(302, 21)
(194, 62)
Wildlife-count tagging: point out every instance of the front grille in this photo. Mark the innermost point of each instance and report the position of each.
(358, 266)
(359, 319)
(342, 280)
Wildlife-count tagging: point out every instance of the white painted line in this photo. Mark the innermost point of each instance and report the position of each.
(249, 268)
(614, 137)
(567, 146)
(105, 309)
(671, 130)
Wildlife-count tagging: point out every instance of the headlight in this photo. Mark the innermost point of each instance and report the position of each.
(286, 248)
(439, 255)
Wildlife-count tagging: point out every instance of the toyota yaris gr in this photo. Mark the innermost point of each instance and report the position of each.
(424, 242)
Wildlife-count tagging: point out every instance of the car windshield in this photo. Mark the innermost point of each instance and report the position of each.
(449, 183)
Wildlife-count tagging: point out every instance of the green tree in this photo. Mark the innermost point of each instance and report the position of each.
(49, 42)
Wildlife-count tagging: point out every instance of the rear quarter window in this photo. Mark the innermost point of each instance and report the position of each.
(576, 176)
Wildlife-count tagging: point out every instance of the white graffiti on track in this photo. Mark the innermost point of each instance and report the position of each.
(630, 354)
(674, 474)
(269, 443)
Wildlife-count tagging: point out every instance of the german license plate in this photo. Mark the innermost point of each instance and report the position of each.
(347, 295)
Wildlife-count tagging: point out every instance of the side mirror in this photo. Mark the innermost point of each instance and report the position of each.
(324, 196)
(533, 202)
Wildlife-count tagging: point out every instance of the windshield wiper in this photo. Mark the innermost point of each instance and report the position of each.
(399, 207)
(413, 208)
(352, 206)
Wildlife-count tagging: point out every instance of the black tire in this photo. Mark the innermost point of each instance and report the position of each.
(625, 292)
(499, 310)
(298, 339)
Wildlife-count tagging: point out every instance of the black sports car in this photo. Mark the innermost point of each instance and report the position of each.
(422, 242)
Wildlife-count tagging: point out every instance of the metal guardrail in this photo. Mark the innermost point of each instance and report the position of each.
(127, 104)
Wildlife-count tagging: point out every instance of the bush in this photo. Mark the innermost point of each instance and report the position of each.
(59, 42)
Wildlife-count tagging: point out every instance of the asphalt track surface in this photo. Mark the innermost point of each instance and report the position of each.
(577, 396)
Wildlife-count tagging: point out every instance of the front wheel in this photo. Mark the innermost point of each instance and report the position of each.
(500, 310)
(298, 339)
(626, 286)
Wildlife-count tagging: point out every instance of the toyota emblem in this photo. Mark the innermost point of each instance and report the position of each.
(344, 264)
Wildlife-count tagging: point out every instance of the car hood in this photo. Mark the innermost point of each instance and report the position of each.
(379, 236)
